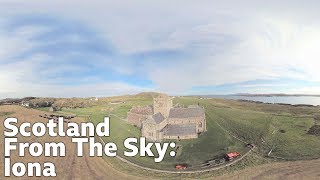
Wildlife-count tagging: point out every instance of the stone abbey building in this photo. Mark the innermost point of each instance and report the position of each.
(163, 121)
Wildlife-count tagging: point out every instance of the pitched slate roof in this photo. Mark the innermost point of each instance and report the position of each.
(144, 110)
(158, 118)
(186, 112)
(179, 129)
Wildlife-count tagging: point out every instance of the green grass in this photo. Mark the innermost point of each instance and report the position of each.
(44, 109)
(285, 134)
(254, 125)
(252, 159)
(211, 144)
(6, 113)
(290, 139)
(250, 126)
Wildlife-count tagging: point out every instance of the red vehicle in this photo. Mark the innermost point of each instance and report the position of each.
(232, 155)
(181, 166)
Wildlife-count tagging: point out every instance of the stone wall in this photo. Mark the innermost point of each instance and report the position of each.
(146, 110)
(161, 125)
(162, 104)
(182, 120)
(200, 122)
(136, 119)
(139, 113)
(181, 137)
(150, 131)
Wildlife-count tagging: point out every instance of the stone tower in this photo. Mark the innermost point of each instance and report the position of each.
(162, 104)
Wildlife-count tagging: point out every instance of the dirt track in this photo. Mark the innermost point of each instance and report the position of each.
(183, 172)
(73, 167)
(69, 167)
(285, 170)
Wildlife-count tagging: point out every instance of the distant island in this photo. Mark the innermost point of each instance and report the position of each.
(273, 95)
(288, 99)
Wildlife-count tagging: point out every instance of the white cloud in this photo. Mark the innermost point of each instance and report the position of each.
(273, 49)
(225, 42)
(22, 76)
(20, 79)
(84, 90)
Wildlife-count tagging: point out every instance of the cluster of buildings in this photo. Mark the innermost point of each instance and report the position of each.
(163, 121)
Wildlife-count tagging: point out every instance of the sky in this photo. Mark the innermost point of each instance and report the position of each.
(92, 48)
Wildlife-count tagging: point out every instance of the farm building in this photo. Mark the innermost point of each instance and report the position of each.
(25, 104)
(94, 99)
(163, 121)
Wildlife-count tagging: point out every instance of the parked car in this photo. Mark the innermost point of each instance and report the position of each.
(181, 166)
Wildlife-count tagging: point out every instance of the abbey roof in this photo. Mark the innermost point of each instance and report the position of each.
(179, 129)
(186, 112)
(144, 110)
(158, 118)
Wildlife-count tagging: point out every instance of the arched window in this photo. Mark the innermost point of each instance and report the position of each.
(200, 125)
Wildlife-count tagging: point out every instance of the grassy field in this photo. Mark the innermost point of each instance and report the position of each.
(211, 144)
(284, 133)
(281, 170)
(68, 167)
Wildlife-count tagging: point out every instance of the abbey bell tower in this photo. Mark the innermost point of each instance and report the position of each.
(163, 104)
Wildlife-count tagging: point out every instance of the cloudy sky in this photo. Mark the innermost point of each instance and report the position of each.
(101, 47)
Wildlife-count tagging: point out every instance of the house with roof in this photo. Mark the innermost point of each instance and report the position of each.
(163, 121)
